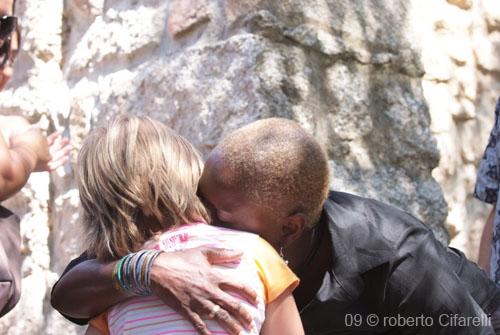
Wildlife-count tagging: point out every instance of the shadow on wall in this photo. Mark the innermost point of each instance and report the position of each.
(353, 77)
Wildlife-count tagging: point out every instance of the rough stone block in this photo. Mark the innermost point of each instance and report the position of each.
(184, 15)
(463, 4)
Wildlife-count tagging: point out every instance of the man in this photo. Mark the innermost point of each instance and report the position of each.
(23, 150)
(9, 40)
(365, 267)
(486, 190)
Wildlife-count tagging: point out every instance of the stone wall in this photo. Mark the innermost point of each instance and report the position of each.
(461, 56)
(351, 72)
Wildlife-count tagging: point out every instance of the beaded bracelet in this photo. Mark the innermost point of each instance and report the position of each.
(132, 272)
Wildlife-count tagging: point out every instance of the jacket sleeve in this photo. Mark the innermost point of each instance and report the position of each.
(483, 290)
(423, 283)
(10, 261)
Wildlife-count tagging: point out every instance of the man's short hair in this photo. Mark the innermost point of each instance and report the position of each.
(276, 163)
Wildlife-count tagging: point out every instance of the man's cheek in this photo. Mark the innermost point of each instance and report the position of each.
(217, 221)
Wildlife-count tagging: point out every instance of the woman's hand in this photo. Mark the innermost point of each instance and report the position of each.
(188, 282)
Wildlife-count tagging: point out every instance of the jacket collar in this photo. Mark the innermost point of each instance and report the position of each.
(357, 244)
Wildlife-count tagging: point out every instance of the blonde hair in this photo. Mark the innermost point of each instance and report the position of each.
(132, 172)
(278, 165)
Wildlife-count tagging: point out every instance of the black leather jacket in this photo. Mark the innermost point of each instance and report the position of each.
(391, 276)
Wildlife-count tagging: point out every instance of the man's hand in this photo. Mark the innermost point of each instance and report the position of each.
(188, 282)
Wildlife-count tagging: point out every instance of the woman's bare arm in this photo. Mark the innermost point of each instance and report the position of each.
(19, 159)
(91, 330)
(282, 317)
(86, 290)
(485, 244)
(25, 149)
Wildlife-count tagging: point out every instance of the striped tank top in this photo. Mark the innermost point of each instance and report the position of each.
(149, 315)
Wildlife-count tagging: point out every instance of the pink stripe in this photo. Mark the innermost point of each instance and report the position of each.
(189, 331)
(118, 330)
(117, 317)
(122, 325)
(150, 317)
(154, 324)
(179, 331)
(134, 301)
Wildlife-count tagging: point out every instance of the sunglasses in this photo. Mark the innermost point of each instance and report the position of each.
(7, 27)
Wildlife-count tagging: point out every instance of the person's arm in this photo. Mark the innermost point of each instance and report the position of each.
(91, 330)
(19, 159)
(23, 150)
(11, 125)
(184, 280)
(487, 186)
(90, 283)
(424, 283)
(485, 244)
(98, 325)
(483, 290)
(282, 317)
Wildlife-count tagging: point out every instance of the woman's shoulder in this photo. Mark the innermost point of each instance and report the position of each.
(199, 234)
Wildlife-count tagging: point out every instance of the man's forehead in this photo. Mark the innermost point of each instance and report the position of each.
(214, 159)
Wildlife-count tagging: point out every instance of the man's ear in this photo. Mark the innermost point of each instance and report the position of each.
(293, 227)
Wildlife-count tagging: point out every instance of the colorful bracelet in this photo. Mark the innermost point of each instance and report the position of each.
(132, 272)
